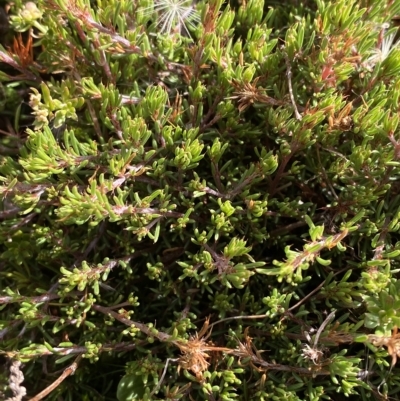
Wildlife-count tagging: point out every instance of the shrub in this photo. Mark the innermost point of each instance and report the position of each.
(200, 200)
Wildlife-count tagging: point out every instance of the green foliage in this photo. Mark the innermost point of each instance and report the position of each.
(199, 200)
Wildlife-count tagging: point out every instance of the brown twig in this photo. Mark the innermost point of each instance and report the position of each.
(238, 318)
(313, 291)
(289, 77)
(70, 370)
(141, 326)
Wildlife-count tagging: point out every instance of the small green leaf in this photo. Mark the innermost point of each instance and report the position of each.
(130, 388)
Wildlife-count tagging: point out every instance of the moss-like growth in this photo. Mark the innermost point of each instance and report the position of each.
(200, 201)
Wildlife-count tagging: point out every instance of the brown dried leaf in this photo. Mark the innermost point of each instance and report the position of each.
(195, 352)
(392, 344)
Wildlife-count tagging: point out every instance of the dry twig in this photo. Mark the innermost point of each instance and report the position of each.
(289, 77)
(70, 370)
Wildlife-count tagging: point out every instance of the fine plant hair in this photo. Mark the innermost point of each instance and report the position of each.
(174, 16)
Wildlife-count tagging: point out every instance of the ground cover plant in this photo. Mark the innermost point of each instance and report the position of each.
(199, 200)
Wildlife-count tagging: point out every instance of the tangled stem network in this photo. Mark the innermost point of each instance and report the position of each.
(174, 16)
